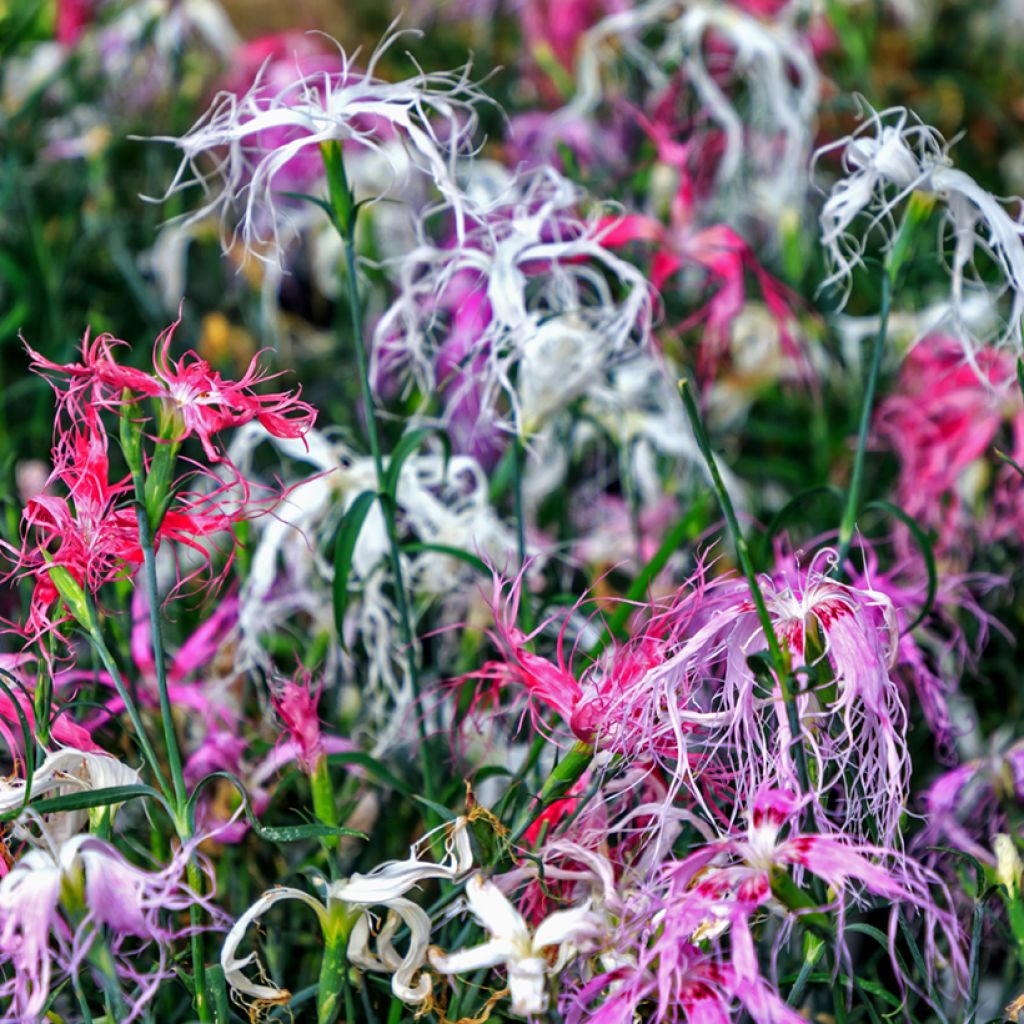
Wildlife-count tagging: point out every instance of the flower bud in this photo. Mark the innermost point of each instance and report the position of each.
(1008, 864)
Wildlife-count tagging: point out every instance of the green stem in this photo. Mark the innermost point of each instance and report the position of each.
(202, 1001)
(519, 466)
(779, 656)
(146, 530)
(334, 968)
(345, 222)
(563, 777)
(852, 509)
(100, 646)
(324, 806)
(156, 640)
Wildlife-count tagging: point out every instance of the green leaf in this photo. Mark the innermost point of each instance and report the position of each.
(87, 798)
(27, 740)
(408, 445)
(416, 547)
(1009, 461)
(444, 813)
(372, 765)
(798, 502)
(926, 550)
(273, 834)
(344, 548)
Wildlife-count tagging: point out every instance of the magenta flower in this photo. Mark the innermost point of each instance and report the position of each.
(968, 806)
(526, 314)
(296, 706)
(735, 875)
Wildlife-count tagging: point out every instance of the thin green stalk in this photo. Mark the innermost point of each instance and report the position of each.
(345, 222)
(156, 640)
(100, 646)
(519, 466)
(146, 528)
(779, 656)
(852, 509)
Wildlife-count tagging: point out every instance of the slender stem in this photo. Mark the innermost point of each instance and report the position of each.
(342, 200)
(156, 640)
(519, 466)
(195, 880)
(852, 509)
(146, 529)
(778, 654)
(101, 648)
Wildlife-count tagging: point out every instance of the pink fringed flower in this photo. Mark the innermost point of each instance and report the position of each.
(629, 699)
(296, 706)
(735, 877)
(91, 532)
(192, 395)
(941, 420)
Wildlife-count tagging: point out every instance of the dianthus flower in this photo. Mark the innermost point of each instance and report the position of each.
(56, 900)
(887, 159)
(193, 397)
(253, 138)
(941, 420)
(519, 320)
(89, 536)
(385, 886)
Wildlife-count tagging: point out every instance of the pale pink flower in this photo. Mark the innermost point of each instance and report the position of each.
(39, 939)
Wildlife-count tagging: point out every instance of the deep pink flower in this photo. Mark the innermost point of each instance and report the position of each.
(296, 706)
(718, 251)
(194, 395)
(91, 530)
(940, 419)
(73, 18)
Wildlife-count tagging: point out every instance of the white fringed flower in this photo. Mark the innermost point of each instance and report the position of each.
(770, 65)
(431, 115)
(526, 314)
(522, 952)
(354, 897)
(888, 158)
(441, 502)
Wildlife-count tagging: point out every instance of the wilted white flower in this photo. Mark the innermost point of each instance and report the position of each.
(512, 944)
(353, 897)
(888, 158)
(67, 771)
(251, 138)
(526, 313)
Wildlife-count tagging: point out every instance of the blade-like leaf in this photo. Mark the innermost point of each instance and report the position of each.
(927, 552)
(273, 834)
(86, 798)
(344, 548)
